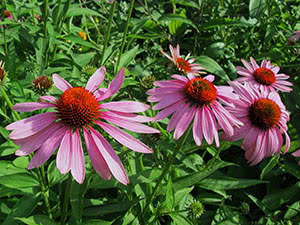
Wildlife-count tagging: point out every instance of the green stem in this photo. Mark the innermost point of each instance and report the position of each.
(125, 34)
(44, 189)
(6, 98)
(64, 211)
(111, 15)
(165, 171)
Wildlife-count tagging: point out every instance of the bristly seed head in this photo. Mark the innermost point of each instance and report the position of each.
(264, 76)
(77, 107)
(264, 113)
(200, 91)
(183, 65)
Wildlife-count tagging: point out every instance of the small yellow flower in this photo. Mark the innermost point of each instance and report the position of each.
(82, 35)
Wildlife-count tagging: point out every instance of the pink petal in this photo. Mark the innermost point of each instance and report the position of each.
(60, 83)
(168, 110)
(296, 153)
(254, 64)
(47, 98)
(111, 158)
(97, 159)
(125, 106)
(248, 66)
(77, 158)
(132, 126)
(208, 125)
(63, 157)
(96, 79)
(32, 143)
(197, 129)
(180, 78)
(287, 142)
(125, 139)
(47, 149)
(128, 116)
(31, 106)
(177, 117)
(114, 85)
(184, 122)
(210, 78)
(168, 100)
(30, 126)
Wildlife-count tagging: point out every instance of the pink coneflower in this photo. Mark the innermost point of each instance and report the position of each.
(194, 99)
(265, 76)
(7, 14)
(264, 117)
(184, 65)
(76, 112)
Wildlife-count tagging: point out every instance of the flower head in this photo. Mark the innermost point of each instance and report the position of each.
(194, 99)
(264, 117)
(184, 65)
(80, 111)
(7, 14)
(265, 76)
(42, 84)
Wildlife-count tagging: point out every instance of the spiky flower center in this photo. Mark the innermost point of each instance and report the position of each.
(264, 113)
(7, 13)
(183, 65)
(77, 107)
(200, 91)
(264, 76)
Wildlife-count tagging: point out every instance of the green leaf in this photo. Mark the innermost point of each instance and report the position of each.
(212, 67)
(7, 168)
(279, 197)
(109, 208)
(76, 11)
(97, 222)
(215, 23)
(257, 8)
(128, 56)
(219, 182)
(53, 174)
(19, 181)
(194, 178)
(8, 148)
(80, 41)
(172, 17)
(170, 195)
(188, 3)
(180, 220)
(37, 220)
(292, 210)
(83, 59)
(259, 204)
(23, 208)
(269, 166)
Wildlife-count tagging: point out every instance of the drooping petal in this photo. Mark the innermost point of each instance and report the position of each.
(125, 106)
(168, 110)
(97, 159)
(114, 85)
(47, 149)
(47, 98)
(168, 101)
(96, 79)
(207, 125)
(63, 157)
(77, 158)
(111, 158)
(197, 129)
(128, 116)
(184, 122)
(30, 126)
(133, 126)
(125, 139)
(32, 143)
(32, 106)
(176, 117)
(60, 83)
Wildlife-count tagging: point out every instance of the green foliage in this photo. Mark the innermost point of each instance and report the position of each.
(43, 39)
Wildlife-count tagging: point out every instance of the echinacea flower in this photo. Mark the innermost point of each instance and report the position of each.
(265, 120)
(265, 76)
(194, 99)
(80, 111)
(7, 14)
(184, 65)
